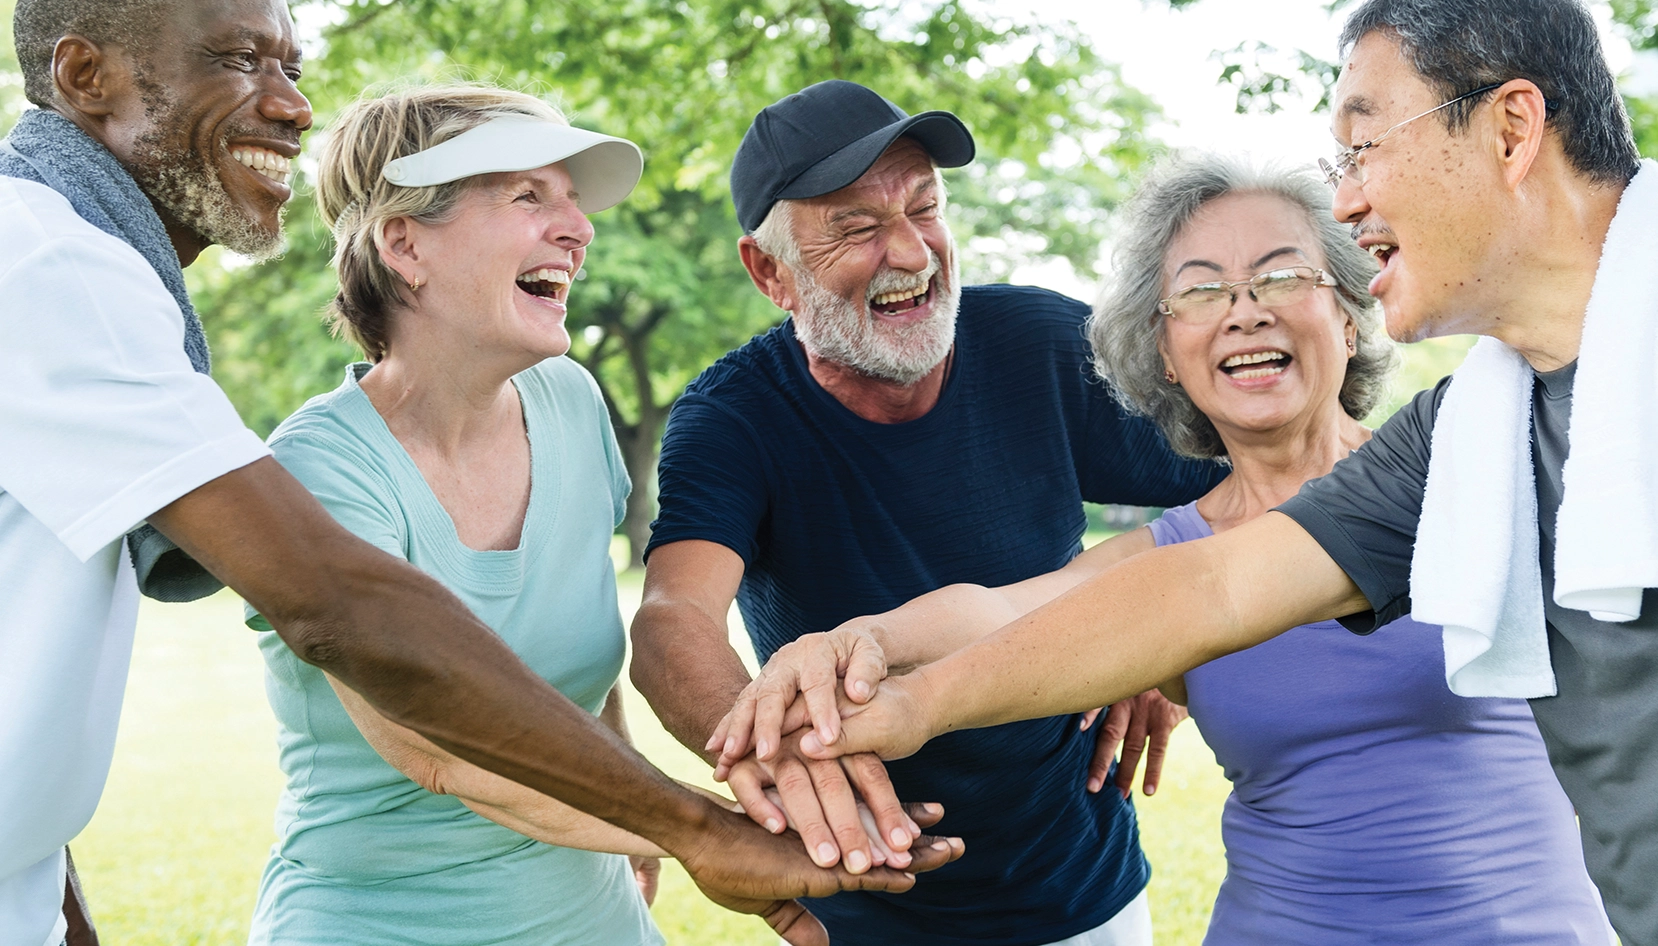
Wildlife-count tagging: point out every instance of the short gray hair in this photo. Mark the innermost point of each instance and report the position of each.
(1457, 46)
(1126, 326)
(775, 234)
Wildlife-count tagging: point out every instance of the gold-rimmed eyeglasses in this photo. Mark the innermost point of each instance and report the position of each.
(1208, 301)
(1347, 162)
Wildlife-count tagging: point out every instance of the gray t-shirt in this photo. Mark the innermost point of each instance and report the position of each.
(1601, 730)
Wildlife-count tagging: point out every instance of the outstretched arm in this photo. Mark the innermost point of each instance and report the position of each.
(501, 800)
(414, 652)
(1129, 628)
(854, 657)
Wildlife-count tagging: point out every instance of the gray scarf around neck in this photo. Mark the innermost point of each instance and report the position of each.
(48, 149)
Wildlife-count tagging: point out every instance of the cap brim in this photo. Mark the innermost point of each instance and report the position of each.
(603, 169)
(944, 136)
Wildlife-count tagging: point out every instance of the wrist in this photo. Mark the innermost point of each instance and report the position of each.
(924, 687)
(687, 825)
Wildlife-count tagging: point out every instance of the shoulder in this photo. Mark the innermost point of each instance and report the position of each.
(761, 362)
(38, 223)
(562, 383)
(1022, 309)
(331, 437)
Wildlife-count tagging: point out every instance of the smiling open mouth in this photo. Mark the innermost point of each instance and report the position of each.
(1383, 252)
(899, 301)
(545, 283)
(264, 162)
(1260, 364)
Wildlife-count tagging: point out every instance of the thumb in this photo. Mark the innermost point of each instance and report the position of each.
(791, 921)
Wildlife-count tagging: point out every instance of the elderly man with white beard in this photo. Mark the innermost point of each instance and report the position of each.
(898, 433)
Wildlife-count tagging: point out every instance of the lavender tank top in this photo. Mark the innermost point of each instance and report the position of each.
(1371, 805)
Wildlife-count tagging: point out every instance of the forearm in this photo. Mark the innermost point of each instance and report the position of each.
(685, 667)
(1139, 624)
(415, 652)
(939, 623)
(944, 621)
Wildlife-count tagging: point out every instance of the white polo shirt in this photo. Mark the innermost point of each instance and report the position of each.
(102, 422)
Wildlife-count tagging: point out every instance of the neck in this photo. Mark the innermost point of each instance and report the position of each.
(1268, 467)
(431, 393)
(877, 400)
(187, 243)
(1548, 285)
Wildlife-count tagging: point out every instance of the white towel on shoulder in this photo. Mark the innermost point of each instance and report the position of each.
(1476, 569)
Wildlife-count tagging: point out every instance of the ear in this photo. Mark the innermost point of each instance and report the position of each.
(90, 80)
(397, 243)
(1351, 333)
(1519, 114)
(770, 275)
(1163, 350)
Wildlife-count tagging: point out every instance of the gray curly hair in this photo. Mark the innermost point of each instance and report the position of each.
(1126, 326)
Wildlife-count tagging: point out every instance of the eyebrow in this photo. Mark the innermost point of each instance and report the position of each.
(1357, 105)
(1255, 265)
(259, 39)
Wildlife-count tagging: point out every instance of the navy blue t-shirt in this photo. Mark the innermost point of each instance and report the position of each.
(835, 516)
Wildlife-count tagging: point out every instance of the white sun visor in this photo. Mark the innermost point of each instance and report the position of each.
(604, 169)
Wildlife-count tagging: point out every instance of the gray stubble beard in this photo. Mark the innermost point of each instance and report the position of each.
(845, 331)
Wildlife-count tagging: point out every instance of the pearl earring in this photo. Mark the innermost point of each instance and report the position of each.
(1168, 375)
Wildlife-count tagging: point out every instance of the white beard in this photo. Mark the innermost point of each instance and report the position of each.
(846, 332)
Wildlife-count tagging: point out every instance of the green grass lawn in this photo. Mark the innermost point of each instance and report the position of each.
(174, 853)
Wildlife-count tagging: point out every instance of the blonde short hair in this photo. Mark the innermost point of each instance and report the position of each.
(357, 203)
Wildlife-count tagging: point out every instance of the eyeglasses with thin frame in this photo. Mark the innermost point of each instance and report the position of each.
(1347, 162)
(1208, 301)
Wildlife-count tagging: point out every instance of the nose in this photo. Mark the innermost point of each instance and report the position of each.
(1349, 204)
(283, 102)
(569, 228)
(1246, 315)
(907, 247)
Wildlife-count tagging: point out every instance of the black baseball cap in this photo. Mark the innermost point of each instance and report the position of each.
(826, 136)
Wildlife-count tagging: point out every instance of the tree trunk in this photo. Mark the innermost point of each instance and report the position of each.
(639, 452)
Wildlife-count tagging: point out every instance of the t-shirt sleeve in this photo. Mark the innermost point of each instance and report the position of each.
(1365, 512)
(102, 419)
(351, 490)
(711, 479)
(1127, 461)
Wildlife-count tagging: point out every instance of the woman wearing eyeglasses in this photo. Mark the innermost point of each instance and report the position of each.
(1369, 804)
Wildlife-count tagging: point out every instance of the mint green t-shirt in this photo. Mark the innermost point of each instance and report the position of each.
(364, 855)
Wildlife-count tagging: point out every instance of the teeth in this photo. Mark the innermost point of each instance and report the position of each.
(1258, 372)
(1378, 249)
(545, 274)
(269, 163)
(888, 298)
(1252, 359)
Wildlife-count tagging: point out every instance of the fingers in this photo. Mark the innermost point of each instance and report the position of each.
(1106, 740)
(840, 809)
(1169, 716)
(1134, 744)
(924, 814)
(1088, 719)
(768, 719)
(866, 667)
(731, 736)
(791, 921)
(799, 792)
(818, 684)
(647, 873)
(747, 781)
(893, 824)
(931, 853)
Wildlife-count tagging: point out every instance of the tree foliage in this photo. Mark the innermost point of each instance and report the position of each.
(663, 292)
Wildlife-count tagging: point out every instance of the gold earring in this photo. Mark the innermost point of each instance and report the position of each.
(415, 286)
(1168, 375)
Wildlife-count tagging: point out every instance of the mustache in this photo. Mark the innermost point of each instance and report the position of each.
(270, 131)
(1362, 230)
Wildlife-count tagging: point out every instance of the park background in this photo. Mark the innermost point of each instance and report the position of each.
(1069, 102)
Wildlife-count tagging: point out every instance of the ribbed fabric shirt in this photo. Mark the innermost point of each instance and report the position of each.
(835, 516)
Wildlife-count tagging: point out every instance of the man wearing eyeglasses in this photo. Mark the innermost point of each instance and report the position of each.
(1490, 168)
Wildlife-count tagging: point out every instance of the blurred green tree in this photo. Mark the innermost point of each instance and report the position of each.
(664, 293)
